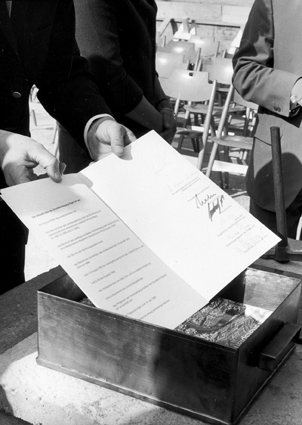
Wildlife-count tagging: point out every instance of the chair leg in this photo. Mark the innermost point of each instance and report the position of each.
(187, 121)
(195, 144)
(212, 159)
(180, 142)
(225, 182)
(214, 152)
(243, 155)
(204, 144)
(55, 141)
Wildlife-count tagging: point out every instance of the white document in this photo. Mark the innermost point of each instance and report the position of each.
(191, 224)
(147, 236)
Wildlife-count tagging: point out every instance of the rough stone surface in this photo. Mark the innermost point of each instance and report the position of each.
(8, 419)
(45, 397)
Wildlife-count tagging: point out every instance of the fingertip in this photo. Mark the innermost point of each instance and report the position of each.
(119, 150)
(131, 137)
(62, 167)
(57, 172)
(57, 177)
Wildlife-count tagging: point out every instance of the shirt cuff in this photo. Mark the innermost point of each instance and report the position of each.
(87, 127)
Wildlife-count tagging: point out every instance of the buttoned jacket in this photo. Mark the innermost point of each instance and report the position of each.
(266, 66)
(37, 47)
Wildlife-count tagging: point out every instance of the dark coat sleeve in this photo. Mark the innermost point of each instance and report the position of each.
(66, 88)
(115, 37)
(256, 76)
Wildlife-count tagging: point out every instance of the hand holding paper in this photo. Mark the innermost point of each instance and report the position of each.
(19, 155)
(105, 136)
(166, 235)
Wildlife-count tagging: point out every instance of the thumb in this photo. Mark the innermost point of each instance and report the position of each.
(55, 170)
(113, 134)
(167, 117)
(50, 163)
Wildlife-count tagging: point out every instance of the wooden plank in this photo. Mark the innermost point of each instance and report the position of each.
(230, 167)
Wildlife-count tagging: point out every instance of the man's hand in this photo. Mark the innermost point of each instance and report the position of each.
(106, 136)
(169, 124)
(19, 155)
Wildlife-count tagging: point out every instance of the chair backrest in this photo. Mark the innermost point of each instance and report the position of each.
(208, 46)
(167, 62)
(236, 41)
(188, 86)
(219, 69)
(183, 48)
(184, 31)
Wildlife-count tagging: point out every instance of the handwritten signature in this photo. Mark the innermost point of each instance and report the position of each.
(202, 202)
(214, 203)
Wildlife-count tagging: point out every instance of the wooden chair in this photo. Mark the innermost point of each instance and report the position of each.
(189, 87)
(183, 48)
(166, 63)
(236, 42)
(185, 30)
(235, 108)
(220, 70)
(209, 48)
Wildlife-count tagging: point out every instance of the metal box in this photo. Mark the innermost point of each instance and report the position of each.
(188, 374)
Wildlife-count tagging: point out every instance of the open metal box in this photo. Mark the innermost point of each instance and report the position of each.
(210, 380)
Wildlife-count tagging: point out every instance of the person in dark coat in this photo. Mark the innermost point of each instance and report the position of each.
(118, 38)
(268, 71)
(38, 47)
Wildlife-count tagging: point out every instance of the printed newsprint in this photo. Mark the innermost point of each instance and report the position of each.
(147, 236)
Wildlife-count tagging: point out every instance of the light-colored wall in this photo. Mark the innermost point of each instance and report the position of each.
(221, 2)
(218, 19)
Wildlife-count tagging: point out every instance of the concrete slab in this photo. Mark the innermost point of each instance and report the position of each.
(8, 419)
(46, 397)
(18, 311)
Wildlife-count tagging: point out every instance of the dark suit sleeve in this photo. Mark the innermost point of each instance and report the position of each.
(98, 35)
(255, 77)
(66, 88)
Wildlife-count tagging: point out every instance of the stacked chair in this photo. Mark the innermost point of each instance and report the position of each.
(188, 87)
(185, 30)
(220, 71)
(210, 113)
(166, 62)
(183, 48)
(208, 47)
(235, 132)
